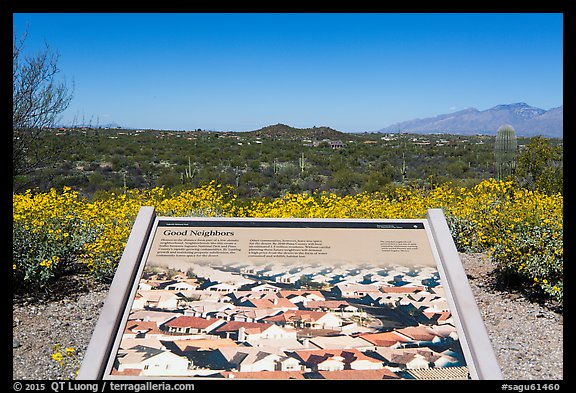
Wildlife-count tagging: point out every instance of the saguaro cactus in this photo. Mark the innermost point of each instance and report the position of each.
(302, 162)
(505, 150)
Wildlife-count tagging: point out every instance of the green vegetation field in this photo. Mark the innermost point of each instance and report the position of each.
(73, 214)
(265, 163)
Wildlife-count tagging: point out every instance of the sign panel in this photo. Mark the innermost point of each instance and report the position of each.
(215, 298)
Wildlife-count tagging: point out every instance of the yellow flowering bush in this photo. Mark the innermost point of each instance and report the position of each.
(55, 233)
(49, 234)
(520, 229)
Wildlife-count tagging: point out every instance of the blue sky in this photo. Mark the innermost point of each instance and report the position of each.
(353, 72)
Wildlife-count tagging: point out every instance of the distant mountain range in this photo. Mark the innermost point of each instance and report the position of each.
(526, 120)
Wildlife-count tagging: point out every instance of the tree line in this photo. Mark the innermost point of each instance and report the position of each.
(92, 160)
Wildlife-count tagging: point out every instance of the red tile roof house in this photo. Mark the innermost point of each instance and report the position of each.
(246, 314)
(406, 288)
(287, 278)
(358, 374)
(129, 343)
(339, 306)
(238, 297)
(202, 344)
(337, 359)
(279, 303)
(420, 335)
(244, 359)
(191, 325)
(221, 287)
(204, 309)
(338, 342)
(152, 316)
(180, 276)
(306, 319)
(386, 339)
(246, 331)
(440, 318)
(264, 288)
(263, 375)
(355, 291)
(414, 358)
(301, 295)
(404, 358)
(142, 329)
(159, 298)
(445, 331)
(175, 285)
(150, 361)
(147, 285)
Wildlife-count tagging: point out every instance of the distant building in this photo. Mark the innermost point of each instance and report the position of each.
(336, 144)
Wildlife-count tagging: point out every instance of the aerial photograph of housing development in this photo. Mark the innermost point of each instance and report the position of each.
(277, 321)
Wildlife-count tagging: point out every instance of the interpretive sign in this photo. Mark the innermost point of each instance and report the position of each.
(212, 298)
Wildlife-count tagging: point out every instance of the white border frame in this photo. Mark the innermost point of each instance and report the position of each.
(477, 339)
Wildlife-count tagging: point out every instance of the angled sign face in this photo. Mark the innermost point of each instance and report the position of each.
(213, 298)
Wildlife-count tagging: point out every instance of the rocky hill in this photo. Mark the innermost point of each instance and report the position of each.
(284, 131)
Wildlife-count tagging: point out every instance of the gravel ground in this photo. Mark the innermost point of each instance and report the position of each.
(527, 337)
